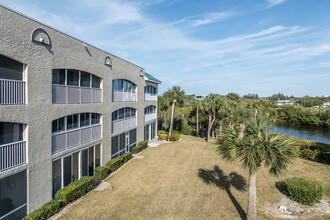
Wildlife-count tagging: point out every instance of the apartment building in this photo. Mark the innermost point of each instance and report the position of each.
(66, 107)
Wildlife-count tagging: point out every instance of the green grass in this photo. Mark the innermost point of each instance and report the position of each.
(187, 180)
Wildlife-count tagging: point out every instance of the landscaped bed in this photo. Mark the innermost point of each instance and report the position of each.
(187, 180)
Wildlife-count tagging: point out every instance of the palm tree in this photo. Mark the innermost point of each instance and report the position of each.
(196, 104)
(174, 95)
(255, 148)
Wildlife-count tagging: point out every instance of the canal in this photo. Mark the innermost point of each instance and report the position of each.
(314, 134)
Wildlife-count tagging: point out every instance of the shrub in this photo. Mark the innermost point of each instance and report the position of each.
(141, 146)
(162, 132)
(127, 156)
(144, 144)
(162, 136)
(114, 164)
(45, 212)
(177, 136)
(172, 138)
(303, 191)
(75, 189)
(100, 173)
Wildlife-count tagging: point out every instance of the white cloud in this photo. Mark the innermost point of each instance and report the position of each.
(274, 2)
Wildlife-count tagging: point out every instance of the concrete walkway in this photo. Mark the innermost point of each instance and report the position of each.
(155, 143)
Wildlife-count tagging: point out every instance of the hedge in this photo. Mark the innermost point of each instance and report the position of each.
(117, 162)
(75, 189)
(141, 146)
(304, 191)
(100, 172)
(46, 211)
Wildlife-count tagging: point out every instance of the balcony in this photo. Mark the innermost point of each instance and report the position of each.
(63, 94)
(12, 92)
(123, 124)
(12, 155)
(150, 97)
(123, 96)
(68, 139)
(149, 117)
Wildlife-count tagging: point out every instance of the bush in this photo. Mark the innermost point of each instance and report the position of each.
(172, 138)
(127, 156)
(177, 136)
(45, 212)
(115, 163)
(144, 144)
(141, 146)
(162, 132)
(304, 191)
(100, 173)
(162, 136)
(75, 189)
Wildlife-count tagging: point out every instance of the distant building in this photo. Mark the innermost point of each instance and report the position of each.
(200, 97)
(285, 102)
(326, 105)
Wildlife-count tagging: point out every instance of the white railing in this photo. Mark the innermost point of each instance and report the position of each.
(12, 92)
(63, 94)
(150, 97)
(12, 155)
(123, 124)
(122, 96)
(149, 117)
(68, 139)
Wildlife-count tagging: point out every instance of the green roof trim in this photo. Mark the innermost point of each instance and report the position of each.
(151, 78)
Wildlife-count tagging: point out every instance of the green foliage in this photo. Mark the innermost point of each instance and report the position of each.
(162, 134)
(304, 191)
(117, 162)
(127, 156)
(100, 172)
(188, 130)
(45, 212)
(75, 189)
(177, 136)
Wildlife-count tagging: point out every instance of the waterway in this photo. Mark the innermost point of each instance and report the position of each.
(314, 134)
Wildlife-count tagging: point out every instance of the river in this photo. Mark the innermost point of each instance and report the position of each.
(310, 133)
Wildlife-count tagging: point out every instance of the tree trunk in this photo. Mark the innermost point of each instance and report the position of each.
(197, 128)
(256, 111)
(209, 127)
(252, 201)
(172, 118)
(241, 129)
(212, 133)
(220, 129)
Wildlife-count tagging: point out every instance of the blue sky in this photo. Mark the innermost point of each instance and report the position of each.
(219, 46)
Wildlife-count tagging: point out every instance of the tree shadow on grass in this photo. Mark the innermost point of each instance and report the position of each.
(225, 182)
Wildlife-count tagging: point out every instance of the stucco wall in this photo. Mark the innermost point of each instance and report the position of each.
(39, 112)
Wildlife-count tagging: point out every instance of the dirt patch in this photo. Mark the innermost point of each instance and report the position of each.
(298, 210)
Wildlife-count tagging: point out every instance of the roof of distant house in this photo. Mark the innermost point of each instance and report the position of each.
(152, 78)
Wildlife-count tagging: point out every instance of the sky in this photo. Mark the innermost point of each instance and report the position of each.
(212, 46)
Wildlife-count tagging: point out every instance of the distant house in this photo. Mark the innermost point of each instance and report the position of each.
(285, 102)
(326, 105)
(200, 97)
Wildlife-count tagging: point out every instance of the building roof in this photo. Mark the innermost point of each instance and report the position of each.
(151, 78)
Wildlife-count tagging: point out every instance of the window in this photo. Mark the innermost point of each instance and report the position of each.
(123, 85)
(96, 82)
(123, 113)
(13, 196)
(59, 77)
(150, 109)
(67, 177)
(11, 132)
(58, 125)
(84, 119)
(150, 89)
(72, 122)
(10, 69)
(57, 176)
(95, 118)
(73, 77)
(85, 79)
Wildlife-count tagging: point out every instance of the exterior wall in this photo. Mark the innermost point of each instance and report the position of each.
(39, 111)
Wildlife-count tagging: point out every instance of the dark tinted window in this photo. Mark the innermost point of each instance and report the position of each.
(73, 77)
(10, 132)
(85, 79)
(10, 69)
(84, 119)
(96, 81)
(59, 77)
(72, 121)
(96, 118)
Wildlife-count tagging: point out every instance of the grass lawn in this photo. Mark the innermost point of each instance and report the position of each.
(186, 180)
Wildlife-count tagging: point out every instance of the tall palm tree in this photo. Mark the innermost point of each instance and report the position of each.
(175, 95)
(255, 148)
(196, 104)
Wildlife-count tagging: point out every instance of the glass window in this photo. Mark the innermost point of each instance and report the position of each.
(85, 79)
(114, 145)
(132, 136)
(98, 155)
(121, 113)
(84, 119)
(122, 141)
(58, 125)
(127, 112)
(115, 84)
(124, 85)
(133, 112)
(13, 194)
(72, 121)
(59, 77)
(84, 162)
(75, 166)
(67, 170)
(96, 82)
(91, 161)
(120, 84)
(10, 132)
(114, 116)
(56, 171)
(73, 77)
(10, 69)
(95, 118)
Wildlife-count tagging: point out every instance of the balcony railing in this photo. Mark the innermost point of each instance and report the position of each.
(150, 97)
(12, 155)
(149, 117)
(123, 124)
(63, 94)
(122, 96)
(68, 139)
(12, 92)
